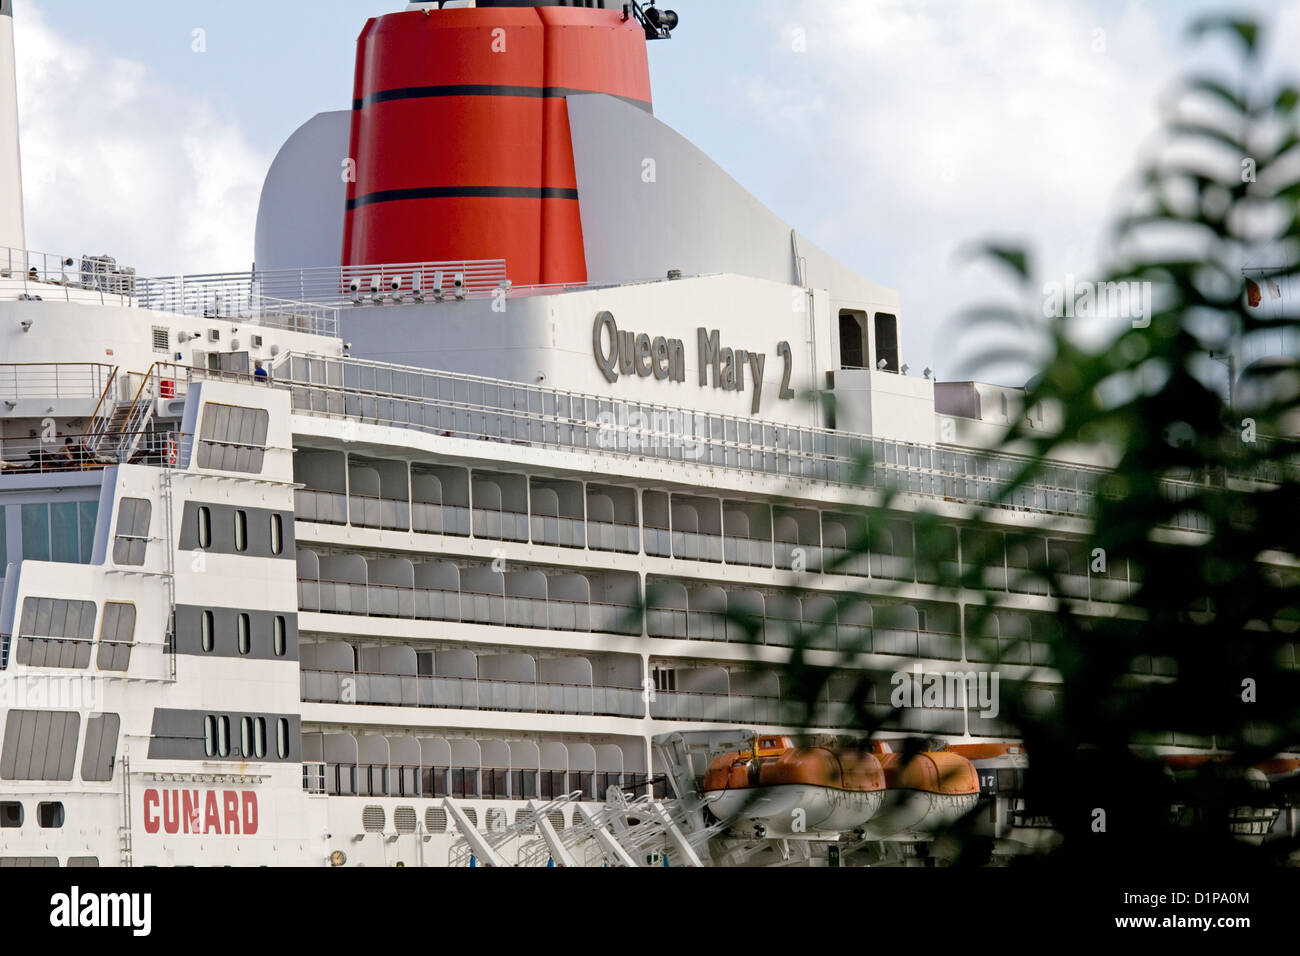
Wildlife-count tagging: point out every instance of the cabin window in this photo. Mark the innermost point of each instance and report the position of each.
(852, 352)
(887, 341)
(246, 736)
(63, 532)
(205, 527)
(210, 735)
(50, 816)
(259, 737)
(245, 634)
(209, 629)
(277, 534)
(282, 737)
(241, 531)
(223, 736)
(280, 643)
(11, 815)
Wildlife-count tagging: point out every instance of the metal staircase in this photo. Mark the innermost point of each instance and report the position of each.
(117, 427)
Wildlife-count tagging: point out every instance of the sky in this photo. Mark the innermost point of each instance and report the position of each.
(893, 133)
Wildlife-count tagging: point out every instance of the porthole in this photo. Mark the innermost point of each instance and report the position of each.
(205, 527)
(241, 531)
(11, 815)
(50, 816)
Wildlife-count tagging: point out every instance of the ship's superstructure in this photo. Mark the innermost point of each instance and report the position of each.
(480, 518)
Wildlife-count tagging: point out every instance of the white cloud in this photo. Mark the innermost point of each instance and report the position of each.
(117, 162)
(943, 123)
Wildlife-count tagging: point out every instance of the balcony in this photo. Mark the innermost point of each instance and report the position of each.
(605, 602)
(335, 672)
(369, 765)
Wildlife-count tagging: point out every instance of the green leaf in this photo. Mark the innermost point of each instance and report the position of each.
(1245, 30)
(1013, 257)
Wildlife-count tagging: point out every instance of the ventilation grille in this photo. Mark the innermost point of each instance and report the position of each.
(405, 819)
(557, 819)
(162, 339)
(435, 820)
(496, 820)
(472, 815)
(526, 819)
(372, 819)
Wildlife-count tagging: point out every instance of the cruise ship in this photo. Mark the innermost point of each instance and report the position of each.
(476, 524)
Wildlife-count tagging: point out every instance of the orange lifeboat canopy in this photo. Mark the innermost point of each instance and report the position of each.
(775, 762)
(986, 751)
(940, 772)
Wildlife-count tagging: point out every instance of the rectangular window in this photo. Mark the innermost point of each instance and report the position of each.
(65, 534)
(39, 745)
(63, 531)
(56, 633)
(36, 532)
(132, 540)
(87, 516)
(101, 748)
(887, 341)
(233, 438)
(241, 531)
(116, 637)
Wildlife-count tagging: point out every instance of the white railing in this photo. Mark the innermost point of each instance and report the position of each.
(19, 381)
(44, 275)
(332, 285)
(465, 406)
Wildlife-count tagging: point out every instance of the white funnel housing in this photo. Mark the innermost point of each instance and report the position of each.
(12, 235)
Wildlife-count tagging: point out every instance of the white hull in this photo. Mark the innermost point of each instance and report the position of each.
(795, 809)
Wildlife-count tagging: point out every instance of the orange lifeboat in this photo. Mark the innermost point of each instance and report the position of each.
(926, 792)
(787, 791)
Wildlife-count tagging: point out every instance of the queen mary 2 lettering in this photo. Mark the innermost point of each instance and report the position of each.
(619, 353)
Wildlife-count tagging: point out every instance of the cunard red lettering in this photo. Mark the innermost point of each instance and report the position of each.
(201, 812)
(151, 811)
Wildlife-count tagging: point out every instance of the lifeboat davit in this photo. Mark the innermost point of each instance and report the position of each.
(788, 791)
(926, 792)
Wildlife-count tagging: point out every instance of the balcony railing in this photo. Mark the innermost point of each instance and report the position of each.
(462, 406)
(473, 783)
(36, 380)
(465, 693)
(467, 607)
(89, 279)
(71, 453)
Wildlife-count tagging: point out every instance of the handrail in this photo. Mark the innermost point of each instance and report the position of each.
(791, 448)
(463, 592)
(478, 680)
(76, 454)
(53, 379)
(108, 387)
